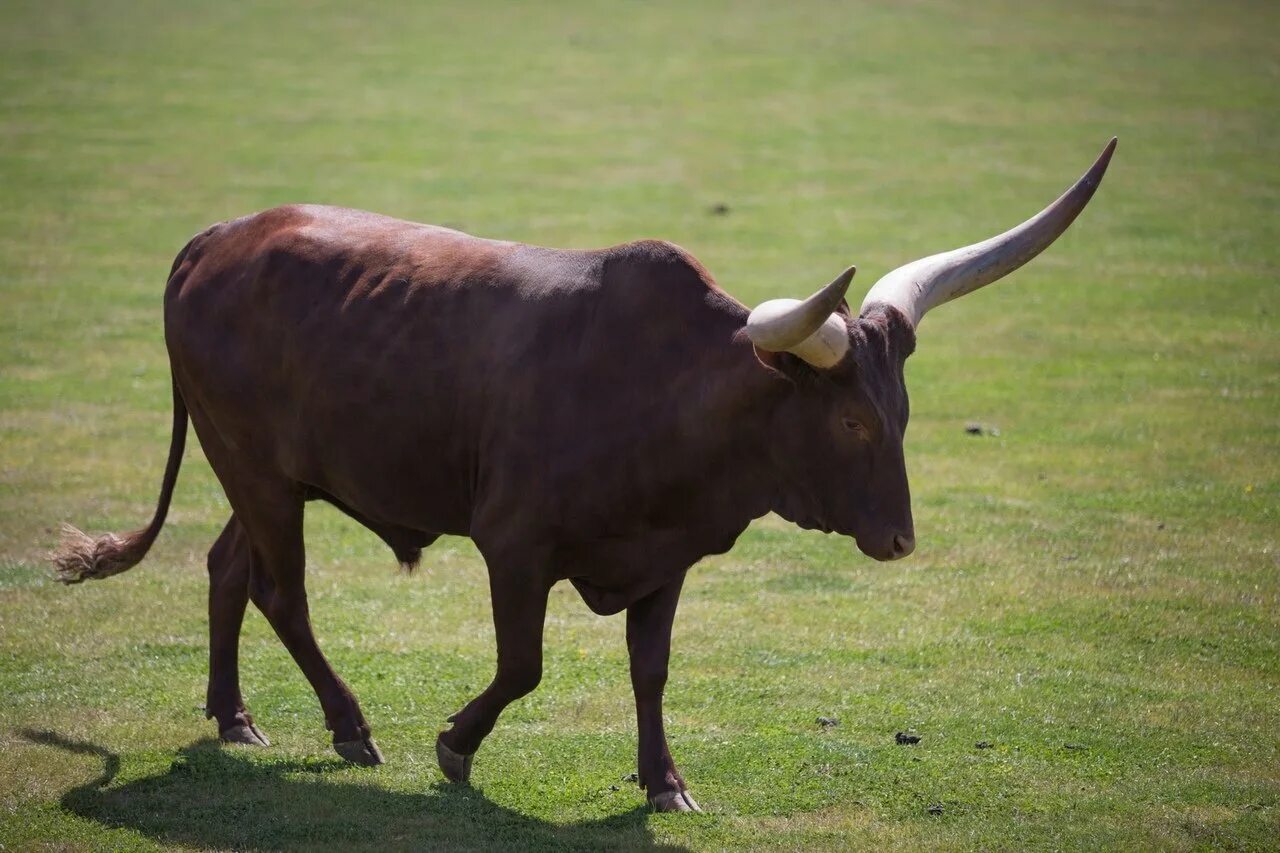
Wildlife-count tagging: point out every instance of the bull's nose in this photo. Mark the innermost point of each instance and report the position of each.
(903, 545)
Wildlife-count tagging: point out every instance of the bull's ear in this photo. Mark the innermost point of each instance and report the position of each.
(897, 328)
(786, 366)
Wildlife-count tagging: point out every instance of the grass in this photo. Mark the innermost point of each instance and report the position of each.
(1095, 591)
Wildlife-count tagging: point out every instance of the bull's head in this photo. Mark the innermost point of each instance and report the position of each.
(839, 439)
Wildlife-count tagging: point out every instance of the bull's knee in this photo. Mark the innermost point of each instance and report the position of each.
(648, 681)
(522, 681)
(287, 613)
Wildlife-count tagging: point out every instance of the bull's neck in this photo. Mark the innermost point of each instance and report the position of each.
(764, 391)
(744, 397)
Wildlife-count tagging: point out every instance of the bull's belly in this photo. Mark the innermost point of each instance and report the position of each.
(416, 494)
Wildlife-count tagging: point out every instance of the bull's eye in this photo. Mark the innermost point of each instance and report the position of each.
(855, 427)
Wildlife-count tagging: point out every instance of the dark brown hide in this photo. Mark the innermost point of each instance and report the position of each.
(596, 416)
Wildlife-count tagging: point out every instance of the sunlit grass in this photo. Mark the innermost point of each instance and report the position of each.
(1095, 591)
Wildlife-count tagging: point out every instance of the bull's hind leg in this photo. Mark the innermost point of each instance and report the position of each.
(519, 608)
(271, 514)
(228, 595)
(649, 623)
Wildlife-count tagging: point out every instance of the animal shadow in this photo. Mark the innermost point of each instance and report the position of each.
(215, 797)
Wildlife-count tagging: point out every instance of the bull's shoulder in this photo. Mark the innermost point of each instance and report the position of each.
(658, 254)
(656, 263)
(660, 267)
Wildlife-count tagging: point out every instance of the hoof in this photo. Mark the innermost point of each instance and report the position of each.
(249, 735)
(674, 801)
(454, 766)
(364, 752)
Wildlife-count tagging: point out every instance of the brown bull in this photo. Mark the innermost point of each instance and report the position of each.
(605, 417)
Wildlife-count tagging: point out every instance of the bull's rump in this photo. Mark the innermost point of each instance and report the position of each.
(330, 347)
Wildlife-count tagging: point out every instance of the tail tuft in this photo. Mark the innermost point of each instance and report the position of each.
(80, 557)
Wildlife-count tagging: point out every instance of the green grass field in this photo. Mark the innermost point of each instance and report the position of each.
(1095, 589)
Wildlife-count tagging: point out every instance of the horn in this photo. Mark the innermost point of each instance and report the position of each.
(810, 329)
(915, 288)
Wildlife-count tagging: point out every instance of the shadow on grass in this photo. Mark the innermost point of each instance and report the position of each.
(215, 797)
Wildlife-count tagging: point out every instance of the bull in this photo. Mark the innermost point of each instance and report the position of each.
(604, 417)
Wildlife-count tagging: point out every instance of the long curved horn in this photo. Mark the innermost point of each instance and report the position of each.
(929, 282)
(810, 329)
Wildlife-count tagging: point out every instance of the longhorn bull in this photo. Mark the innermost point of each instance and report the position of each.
(604, 417)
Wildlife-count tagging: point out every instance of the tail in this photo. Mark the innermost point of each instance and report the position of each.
(80, 557)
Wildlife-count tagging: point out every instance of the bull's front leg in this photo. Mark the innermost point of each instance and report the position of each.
(649, 623)
(519, 609)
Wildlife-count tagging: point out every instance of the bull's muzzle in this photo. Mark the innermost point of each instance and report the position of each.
(894, 546)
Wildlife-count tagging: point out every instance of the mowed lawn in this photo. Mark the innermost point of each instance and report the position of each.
(1094, 596)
